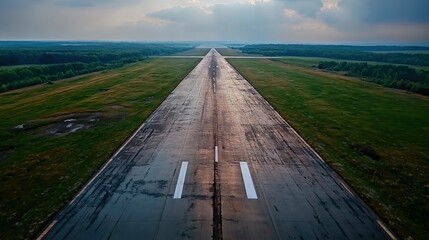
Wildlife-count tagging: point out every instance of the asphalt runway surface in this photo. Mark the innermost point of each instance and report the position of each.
(216, 161)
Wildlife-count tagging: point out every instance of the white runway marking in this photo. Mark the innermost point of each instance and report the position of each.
(47, 230)
(248, 183)
(181, 181)
(348, 190)
(216, 155)
(386, 230)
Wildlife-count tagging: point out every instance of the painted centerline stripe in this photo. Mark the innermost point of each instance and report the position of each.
(216, 155)
(248, 183)
(181, 181)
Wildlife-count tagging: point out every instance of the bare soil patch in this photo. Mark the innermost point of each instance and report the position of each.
(5, 150)
(63, 124)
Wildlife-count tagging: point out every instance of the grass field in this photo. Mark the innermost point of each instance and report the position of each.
(194, 52)
(375, 138)
(232, 52)
(409, 52)
(55, 137)
(310, 61)
(314, 61)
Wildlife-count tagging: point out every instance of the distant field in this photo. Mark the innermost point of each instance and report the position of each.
(314, 61)
(232, 52)
(375, 138)
(308, 61)
(359, 53)
(55, 137)
(410, 51)
(194, 52)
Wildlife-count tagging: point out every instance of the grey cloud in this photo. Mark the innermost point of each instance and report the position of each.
(361, 15)
(380, 21)
(308, 8)
(6, 5)
(92, 3)
(260, 20)
(384, 11)
(72, 3)
(264, 21)
(43, 19)
(235, 21)
(182, 14)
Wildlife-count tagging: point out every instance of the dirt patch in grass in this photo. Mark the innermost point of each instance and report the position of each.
(117, 106)
(367, 150)
(63, 124)
(5, 150)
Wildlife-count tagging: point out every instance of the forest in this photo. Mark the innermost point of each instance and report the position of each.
(25, 64)
(359, 53)
(392, 76)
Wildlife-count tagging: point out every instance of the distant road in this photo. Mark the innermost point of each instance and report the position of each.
(216, 161)
(252, 57)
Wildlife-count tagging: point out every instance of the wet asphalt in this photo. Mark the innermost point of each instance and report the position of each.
(215, 161)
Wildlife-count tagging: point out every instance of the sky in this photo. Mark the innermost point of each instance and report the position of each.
(293, 21)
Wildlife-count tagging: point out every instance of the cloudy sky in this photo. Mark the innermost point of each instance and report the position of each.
(314, 21)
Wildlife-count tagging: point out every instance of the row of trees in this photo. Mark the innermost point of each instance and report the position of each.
(58, 60)
(95, 52)
(400, 77)
(341, 52)
(14, 78)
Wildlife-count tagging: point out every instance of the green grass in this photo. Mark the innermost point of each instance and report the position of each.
(194, 52)
(343, 117)
(41, 172)
(314, 61)
(409, 52)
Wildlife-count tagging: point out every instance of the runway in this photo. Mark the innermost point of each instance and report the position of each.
(216, 161)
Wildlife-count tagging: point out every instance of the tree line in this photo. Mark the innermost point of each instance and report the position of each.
(342, 52)
(54, 61)
(14, 78)
(393, 76)
(22, 58)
